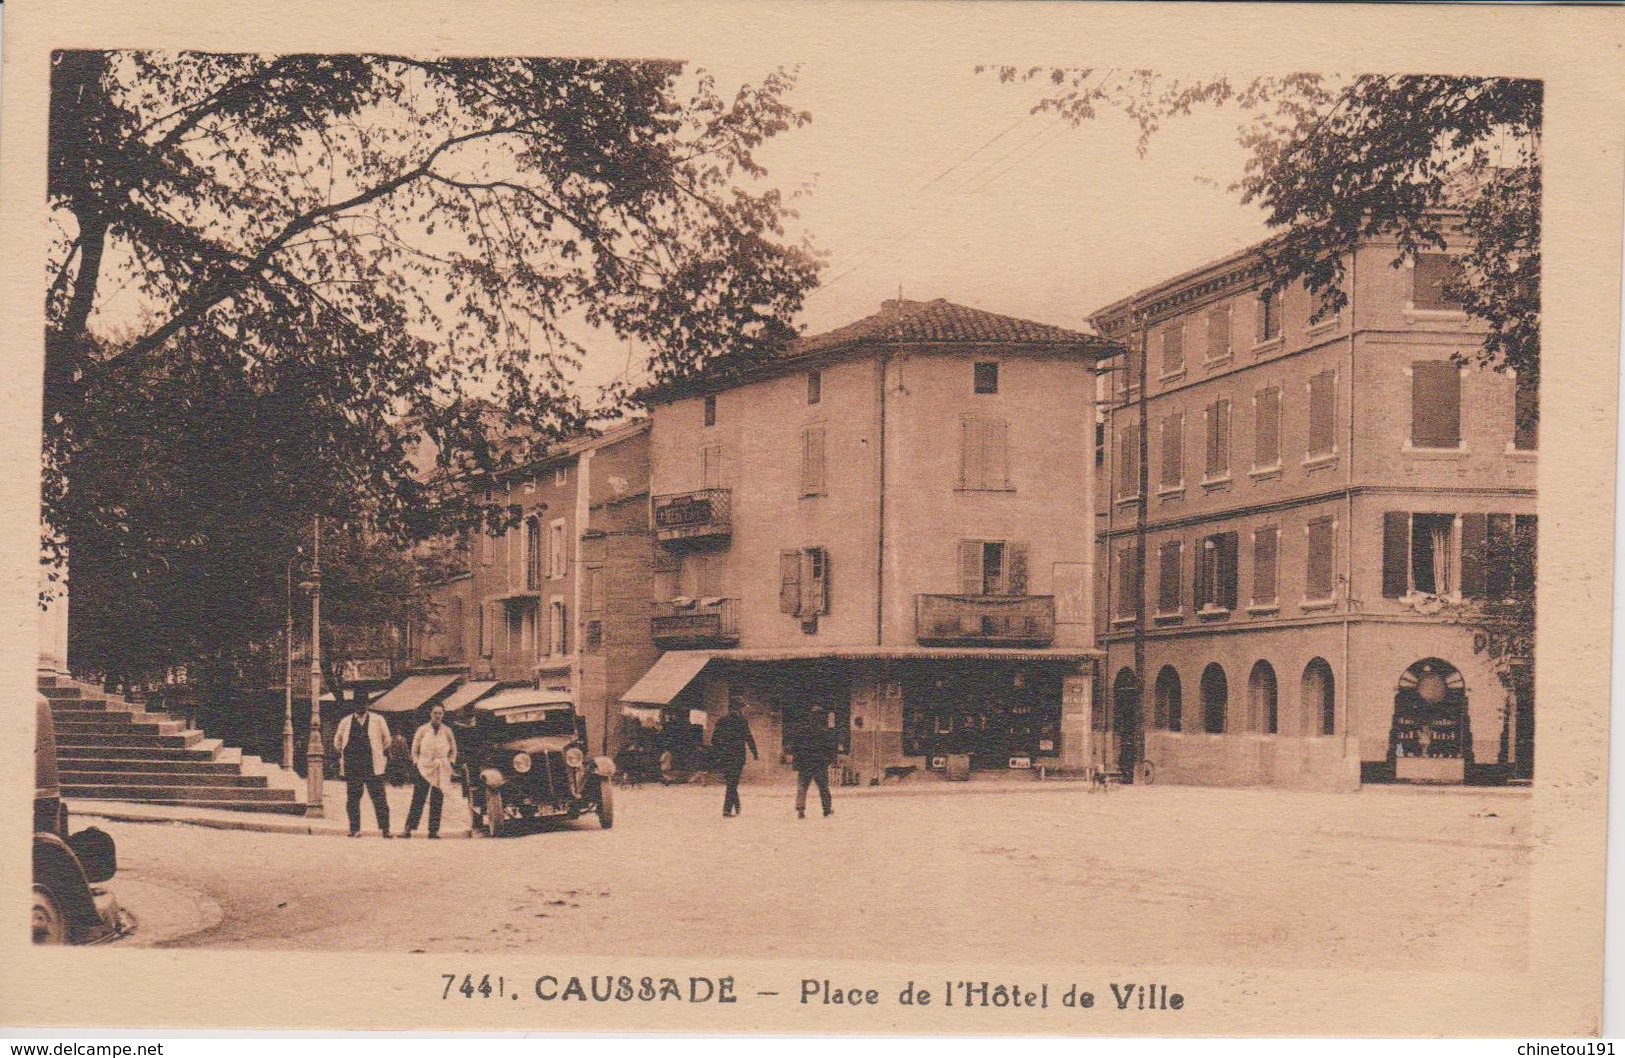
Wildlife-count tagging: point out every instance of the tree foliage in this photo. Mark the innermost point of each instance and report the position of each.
(1335, 162)
(276, 281)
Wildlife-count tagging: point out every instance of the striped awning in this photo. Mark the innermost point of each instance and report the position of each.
(412, 692)
(469, 692)
(674, 671)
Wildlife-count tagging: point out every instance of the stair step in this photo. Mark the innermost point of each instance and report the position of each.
(65, 691)
(115, 727)
(189, 780)
(173, 794)
(200, 765)
(293, 808)
(179, 740)
(198, 752)
(108, 716)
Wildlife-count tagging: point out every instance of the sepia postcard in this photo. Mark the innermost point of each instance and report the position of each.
(822, 518)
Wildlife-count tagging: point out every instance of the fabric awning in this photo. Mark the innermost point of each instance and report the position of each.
(412, 692)
(468, 692)
(675, 670)
(521, 696)
(647, 715)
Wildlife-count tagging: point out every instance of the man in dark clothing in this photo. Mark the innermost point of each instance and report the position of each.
(813, 748)
(361, 740)
(729, 742)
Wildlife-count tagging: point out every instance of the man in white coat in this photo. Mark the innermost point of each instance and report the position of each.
(360, 741)
(434, 753)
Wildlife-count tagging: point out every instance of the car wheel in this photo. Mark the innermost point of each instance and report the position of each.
(606, 805)
(493, 813)
(50, 925)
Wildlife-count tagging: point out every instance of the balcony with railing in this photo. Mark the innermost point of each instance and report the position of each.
(703, 514)
(985, 620)
(696, 624)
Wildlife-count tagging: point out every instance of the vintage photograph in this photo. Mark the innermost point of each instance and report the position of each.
(618, 507)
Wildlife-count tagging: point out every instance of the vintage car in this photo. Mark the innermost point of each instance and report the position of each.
(524, 756)
(68, 909)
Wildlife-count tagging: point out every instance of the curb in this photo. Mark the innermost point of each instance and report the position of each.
(258, 826)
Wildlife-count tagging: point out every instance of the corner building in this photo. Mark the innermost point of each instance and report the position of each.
(1293, 512)
(887, 522)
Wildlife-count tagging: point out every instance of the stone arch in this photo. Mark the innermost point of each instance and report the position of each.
(1318, 697)
(1263, 700)
(1215, 699)
(1167, 698)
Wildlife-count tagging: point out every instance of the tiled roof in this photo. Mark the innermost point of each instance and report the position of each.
(939, 322)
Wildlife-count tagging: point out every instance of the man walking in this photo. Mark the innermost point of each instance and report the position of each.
(729, 742)
(361, 740)
(434, 752)
(813, 749)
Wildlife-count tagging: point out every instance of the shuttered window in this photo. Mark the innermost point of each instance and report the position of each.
(1128, 462)
(711, 467)
(790, 582)
(992, 567)
(815, 578)
(984, 453)
(1218, 439)
(1323, 413)
(1170, 575)
(812, 461)
(1128, 581)
(1267, 428)
(1218, 333)
(1266, 552)
(1216, 573)
(1526, 415)
(1435, 404)
(710, 411)
(1510, 551)
(1322, 548)
(1269, 316)
(1173, 349)
(1433, 274)
(1173, 450)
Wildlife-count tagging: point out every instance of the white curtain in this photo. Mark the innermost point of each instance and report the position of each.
(1444, 560)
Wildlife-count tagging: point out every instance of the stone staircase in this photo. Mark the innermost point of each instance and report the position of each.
(110, 749)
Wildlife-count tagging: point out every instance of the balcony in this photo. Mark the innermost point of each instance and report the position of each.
(707, 513)
(702, 623)
(985, 620)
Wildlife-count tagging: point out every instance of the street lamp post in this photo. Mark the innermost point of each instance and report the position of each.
(287, 682)
(315, 753)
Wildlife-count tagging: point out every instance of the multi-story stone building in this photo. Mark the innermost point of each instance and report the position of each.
(890, 521)
(1296, 515)
(560, 600)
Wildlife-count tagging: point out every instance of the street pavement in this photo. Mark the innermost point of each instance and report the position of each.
(1386, 878)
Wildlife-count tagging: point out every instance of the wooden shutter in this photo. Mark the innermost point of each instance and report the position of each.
(812, 461)
(1429, 278)
(1128, 581)
(814, 581)
(1218, 439)
(1265, 546)
(1226, 572)
(1267, 427)
(1210, 419)
(1474, 544)
(1321, 549)
(1499, 551)
(1202, 589)
(1396, 554)
(790, 582)
(1015, 569)
(1526, 415)
(1526, 536)
(1173, 450)
(1128, 462)
(970, 454)
(1218, 333)
(1169, 576)
(1435, 404)
(1322, 413)
(1173, 348)
(970, 567)
(995, 454)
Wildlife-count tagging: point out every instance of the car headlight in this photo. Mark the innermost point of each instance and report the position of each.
(573, 757)
(521, 762)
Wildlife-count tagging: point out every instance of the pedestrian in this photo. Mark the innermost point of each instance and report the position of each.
(812, 749)
(361, 741)
(434, 752)
(729, 742)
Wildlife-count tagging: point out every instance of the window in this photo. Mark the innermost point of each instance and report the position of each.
(1432, 279)
(815, 387)
(484, 632)
(984, 453)
(592, 595)
(1128, 462)
(986, 376)
(1319, 697)
(1173, 451)
(1267, 428)
(1318, 579)
(1510, 547)
(992, 567)
(1526, 414)
(1128, 582)
(1215, 574)
(1170, 576)
(1166, 704)
(1269, 316)
(557, 558)
(1215, 699)
(668, 569)
(558, 627)
(1218, 333)
(711, 467)
(561, 476)
(514, 625)
(812, 461)
(804, 582)
(1471, 555)
(1323, 413)
(533, 553)
(711, 411)
(1263, 700)
(1218, 440)
(701, 575)
(1435, 404)
(1266, 565)
(1100, 441)
(592, 639)
(1173, 349)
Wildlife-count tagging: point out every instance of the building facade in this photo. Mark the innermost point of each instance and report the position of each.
(888, 524)
(1294, 517)
(559, 600)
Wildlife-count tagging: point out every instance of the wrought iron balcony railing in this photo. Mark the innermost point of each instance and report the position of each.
(985, 620)
(702, 623)
(693, 515)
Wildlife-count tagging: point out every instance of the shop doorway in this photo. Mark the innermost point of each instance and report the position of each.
(1431, 738)
(1126, 726)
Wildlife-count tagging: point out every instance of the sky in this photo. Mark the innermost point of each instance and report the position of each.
(931, 179)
